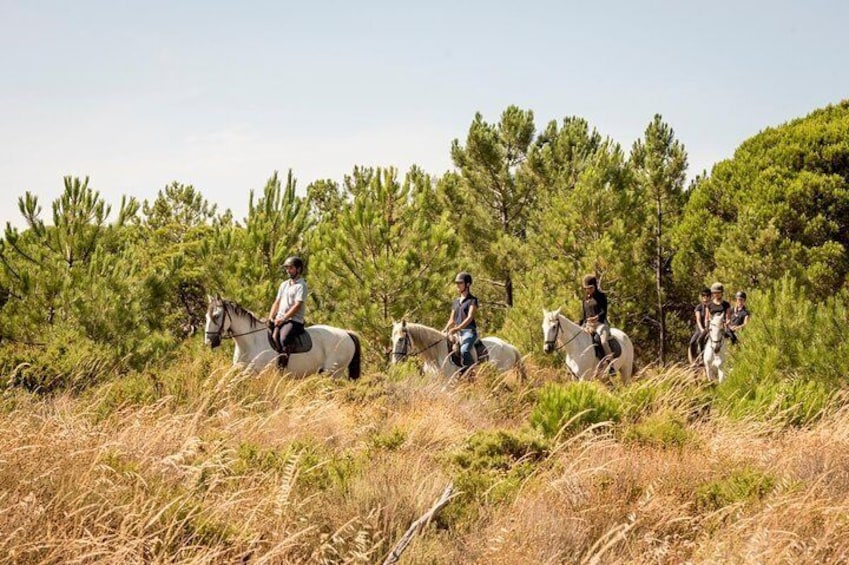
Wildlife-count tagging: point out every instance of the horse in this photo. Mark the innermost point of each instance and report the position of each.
(333, 349)
(559, 332)
(714, 354)
(416, 340)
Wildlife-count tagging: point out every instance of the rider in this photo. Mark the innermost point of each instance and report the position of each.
(462, 318)
(289, 308)
(739, 315)
(717, 305)
(594, 320)
(701, 314)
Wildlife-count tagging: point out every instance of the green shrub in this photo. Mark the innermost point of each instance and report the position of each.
(390, 440)
(67, 360)
(795, 402)
(740, 486)
(490, 466)
(661, 429)
(575, 406)
(792, 356)
(134, 389)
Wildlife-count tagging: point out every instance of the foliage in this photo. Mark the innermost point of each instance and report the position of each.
(791, 357)
(780, 206)
(573, 407)
(491, 203)
(661, 429)
(492, 465)
(382, 258)
(742, 485)
(660, 163)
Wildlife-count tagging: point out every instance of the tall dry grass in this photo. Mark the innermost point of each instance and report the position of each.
(210, 465)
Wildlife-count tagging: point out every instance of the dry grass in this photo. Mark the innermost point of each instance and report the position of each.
(223, 467)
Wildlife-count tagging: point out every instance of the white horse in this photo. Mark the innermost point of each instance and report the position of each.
(714, 353)
(559, 332)
(333, 349)
(415, 340)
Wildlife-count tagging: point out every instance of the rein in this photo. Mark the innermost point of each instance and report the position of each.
(408, 343)
(230, 334)
(565, 343)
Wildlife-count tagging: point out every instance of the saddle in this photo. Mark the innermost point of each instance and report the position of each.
(615, 347)
(297, 343)
(479, 354)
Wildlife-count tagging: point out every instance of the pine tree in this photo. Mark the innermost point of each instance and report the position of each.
(660, 165)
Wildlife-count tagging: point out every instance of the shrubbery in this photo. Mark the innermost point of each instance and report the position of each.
(791, 358)
(574, 406)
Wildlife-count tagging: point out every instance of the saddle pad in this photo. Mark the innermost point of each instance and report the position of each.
(480, 356)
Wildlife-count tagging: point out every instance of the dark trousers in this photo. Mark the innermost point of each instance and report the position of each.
(697, 342)
(284, 332)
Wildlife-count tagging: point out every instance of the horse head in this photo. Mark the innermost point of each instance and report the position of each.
(550, 329)
(716, 331)
(400, 341)
(217, 322)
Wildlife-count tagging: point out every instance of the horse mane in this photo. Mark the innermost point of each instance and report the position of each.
(562, 318)
(423, 333)
(242, 312)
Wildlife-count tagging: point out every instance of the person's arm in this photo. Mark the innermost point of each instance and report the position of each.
(741, 324)
(274, 307)
(450, 322)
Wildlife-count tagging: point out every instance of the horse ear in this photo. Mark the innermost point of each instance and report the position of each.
(218, 296)
(404, 324)
(557, 312)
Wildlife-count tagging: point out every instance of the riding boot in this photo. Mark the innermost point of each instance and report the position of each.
(282, 361)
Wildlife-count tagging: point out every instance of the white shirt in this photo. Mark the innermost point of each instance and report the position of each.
(290, 292)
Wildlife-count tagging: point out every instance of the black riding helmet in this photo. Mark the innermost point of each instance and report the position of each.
(294, 261)
(463, 277)
(590, 281)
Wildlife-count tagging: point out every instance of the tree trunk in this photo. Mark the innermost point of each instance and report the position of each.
(661, 314)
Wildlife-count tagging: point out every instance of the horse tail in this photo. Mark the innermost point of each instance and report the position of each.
(354, 366)
(520, 365)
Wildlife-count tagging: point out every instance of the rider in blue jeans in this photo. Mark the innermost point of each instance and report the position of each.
(462, 319)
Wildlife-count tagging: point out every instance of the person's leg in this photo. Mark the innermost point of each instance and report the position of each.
(603, 332)
(282, 334)
(467, 341)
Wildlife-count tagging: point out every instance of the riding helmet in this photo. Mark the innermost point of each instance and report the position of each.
(741, 294)
(590, 281)
(294, 261)
(463, 277)
(717, 287)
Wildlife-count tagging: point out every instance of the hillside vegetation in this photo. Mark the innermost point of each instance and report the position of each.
(126, 440)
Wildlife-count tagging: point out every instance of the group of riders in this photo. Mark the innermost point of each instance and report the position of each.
(286, 317)
(711, 303)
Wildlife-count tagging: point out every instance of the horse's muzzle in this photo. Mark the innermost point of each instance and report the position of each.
(548, 347)
(214, 341)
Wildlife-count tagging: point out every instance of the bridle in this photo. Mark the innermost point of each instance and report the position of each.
(716, 343)
(216, 336)
(402, 346)
(553, 342)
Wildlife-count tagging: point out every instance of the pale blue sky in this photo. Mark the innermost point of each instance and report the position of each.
(219, 95)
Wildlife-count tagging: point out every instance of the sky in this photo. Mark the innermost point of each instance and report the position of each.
(219, 95)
